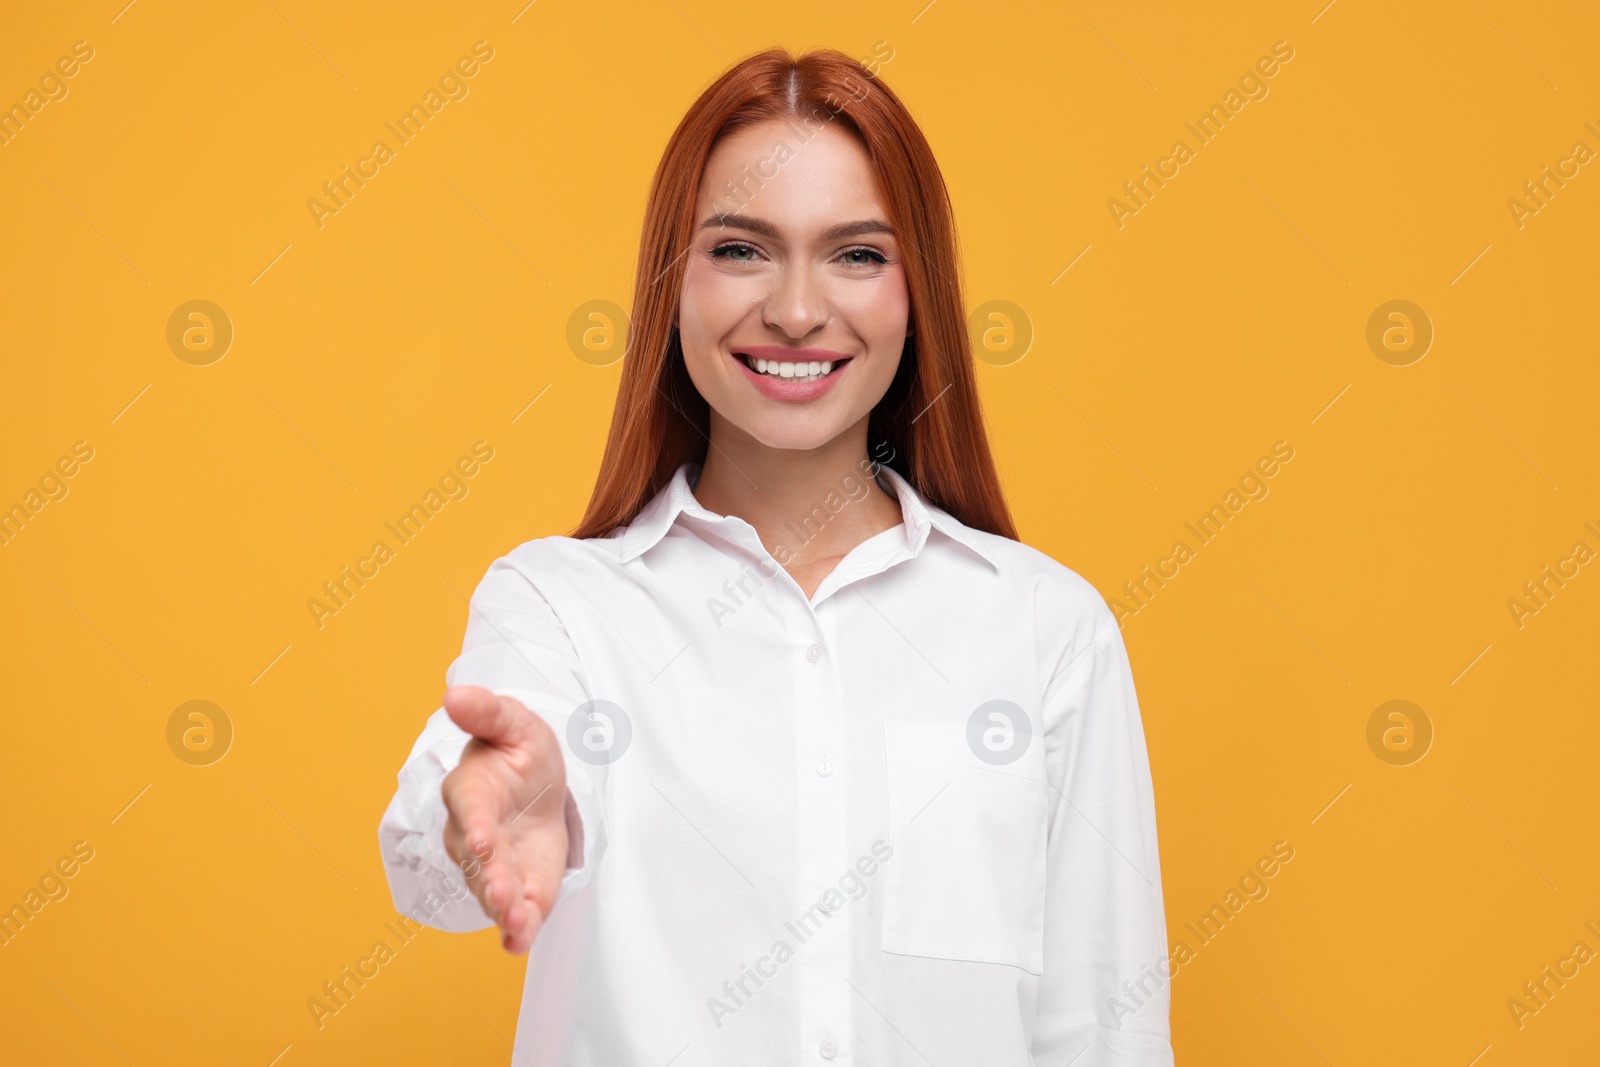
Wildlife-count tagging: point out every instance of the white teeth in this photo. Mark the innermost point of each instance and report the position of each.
(806, 372)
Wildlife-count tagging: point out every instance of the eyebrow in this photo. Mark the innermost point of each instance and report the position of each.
(752, 224)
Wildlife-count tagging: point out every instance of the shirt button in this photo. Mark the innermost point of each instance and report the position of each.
(814, 653)
(825, 768)
(829, 1049)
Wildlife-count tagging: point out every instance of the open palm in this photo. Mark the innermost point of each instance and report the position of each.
(506, 801)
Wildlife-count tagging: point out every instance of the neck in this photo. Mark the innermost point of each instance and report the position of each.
(807, 505)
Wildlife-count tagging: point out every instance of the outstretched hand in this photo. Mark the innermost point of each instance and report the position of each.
(506, 801)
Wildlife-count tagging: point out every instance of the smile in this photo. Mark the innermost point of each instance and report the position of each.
(798, 370)
(791, 374)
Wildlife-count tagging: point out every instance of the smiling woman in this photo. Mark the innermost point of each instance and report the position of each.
(670, 730)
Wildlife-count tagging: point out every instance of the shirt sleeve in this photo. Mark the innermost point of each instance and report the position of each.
(1105, 992)
(515, 646)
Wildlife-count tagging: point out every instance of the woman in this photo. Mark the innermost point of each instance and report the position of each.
(792, 753)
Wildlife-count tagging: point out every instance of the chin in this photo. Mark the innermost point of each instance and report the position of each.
(800, 435)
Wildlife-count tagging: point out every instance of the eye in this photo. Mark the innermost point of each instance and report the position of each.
(874, 257)
(725, 251)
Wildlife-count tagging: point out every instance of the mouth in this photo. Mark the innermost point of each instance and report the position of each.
(792, 370)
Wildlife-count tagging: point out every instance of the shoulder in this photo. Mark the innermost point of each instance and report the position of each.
(553, 564)
(1065, 612)
(1059, 595)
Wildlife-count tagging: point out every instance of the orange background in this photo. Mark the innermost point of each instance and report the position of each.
(1229, 313)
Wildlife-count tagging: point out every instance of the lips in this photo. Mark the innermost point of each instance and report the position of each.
(791, 374)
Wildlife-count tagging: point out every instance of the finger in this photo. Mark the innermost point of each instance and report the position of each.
(497, 720)
(487, 865)
(538, 887)
(502, 886)
(474, 807)
(523, 921)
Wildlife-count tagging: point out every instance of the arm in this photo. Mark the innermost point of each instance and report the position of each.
(1105, 992)
(515, 646)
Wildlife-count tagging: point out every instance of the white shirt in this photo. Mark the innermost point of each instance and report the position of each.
(908, 821)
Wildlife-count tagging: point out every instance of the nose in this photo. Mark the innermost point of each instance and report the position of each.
(798, 303)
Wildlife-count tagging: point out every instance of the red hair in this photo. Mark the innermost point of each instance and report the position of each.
(929, 418)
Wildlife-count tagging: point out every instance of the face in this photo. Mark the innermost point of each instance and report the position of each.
(794, 308)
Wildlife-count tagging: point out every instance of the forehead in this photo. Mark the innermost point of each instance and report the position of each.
(800, 177)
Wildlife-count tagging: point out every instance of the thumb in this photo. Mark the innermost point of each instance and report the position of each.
(495, 719)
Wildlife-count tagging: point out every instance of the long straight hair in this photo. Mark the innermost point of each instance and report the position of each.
(928, 424)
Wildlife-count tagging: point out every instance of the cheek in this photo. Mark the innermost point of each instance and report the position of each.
(712, 304)
(879, 312)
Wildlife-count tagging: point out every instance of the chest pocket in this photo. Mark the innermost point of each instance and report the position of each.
(967, 879)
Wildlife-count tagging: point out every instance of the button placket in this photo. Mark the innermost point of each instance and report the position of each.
(823, 955)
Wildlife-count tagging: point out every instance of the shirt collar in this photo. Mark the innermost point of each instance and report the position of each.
(677, 498)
